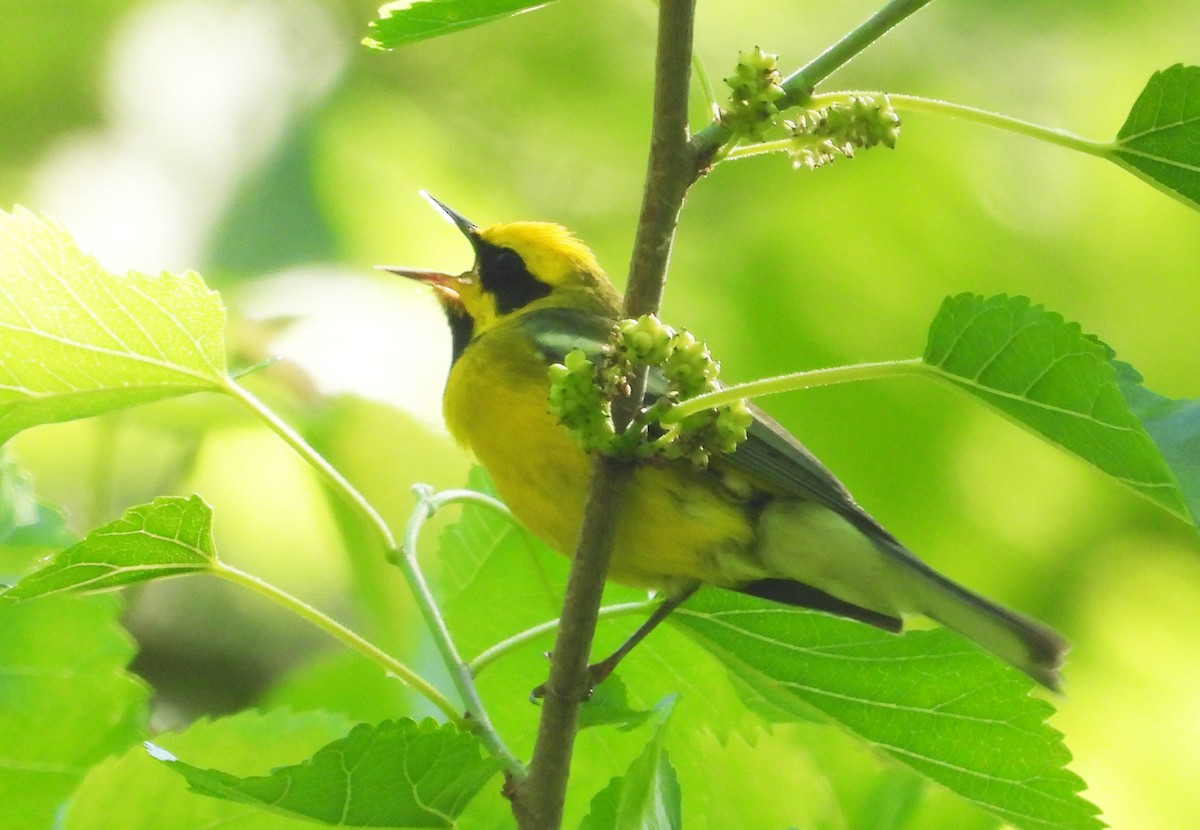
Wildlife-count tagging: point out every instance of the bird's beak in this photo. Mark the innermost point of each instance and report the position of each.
(445, 286)
(468, 228)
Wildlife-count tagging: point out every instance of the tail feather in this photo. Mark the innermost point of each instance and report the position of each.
(1028, 645)
(848, 558)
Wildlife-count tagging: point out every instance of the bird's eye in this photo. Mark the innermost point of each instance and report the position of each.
(508, 264)
(504, 274)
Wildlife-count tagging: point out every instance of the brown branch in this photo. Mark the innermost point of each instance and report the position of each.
(538, 800)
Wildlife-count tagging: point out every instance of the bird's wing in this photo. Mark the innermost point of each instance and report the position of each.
(775, 457)
(556, 331)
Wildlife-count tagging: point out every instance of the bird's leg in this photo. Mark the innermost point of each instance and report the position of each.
(598, 672)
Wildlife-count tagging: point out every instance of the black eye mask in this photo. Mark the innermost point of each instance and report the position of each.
(502, 273)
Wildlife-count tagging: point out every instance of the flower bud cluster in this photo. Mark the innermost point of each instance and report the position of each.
(580, 403)
(819, 136)
(581, 393)
(755, 93)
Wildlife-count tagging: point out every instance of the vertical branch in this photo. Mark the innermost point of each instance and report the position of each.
(669, 168)
(538, 800)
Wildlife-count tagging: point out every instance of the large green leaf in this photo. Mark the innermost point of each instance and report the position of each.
(77, 340)
(1160, 140)
(1051, 378)
(135, 792)
(171, 536)
(66, 701)
(928, 699)
(407, 22)
(394, 774)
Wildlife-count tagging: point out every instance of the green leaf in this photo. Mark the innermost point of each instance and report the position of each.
(1175, 427)
(344, 682)
(135, 792)
(407, 22)
(394, 774)
(66, 698)
(891, 804)
(484, 555)
(928, 699)
(609, 706)
(1051, 378)
(79, 340)
(1160, 141)
(26, 521)
(171, 536)
(646, 797)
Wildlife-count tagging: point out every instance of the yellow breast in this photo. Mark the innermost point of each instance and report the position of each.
(677, 523)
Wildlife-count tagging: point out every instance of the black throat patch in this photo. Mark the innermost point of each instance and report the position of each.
(462, 329)
(502, 273)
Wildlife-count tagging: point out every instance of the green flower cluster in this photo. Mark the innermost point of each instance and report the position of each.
(581, 391)
(755, 94)
(580, 403)
(821, 135)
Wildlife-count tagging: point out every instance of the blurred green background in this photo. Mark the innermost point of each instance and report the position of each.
(258, 142)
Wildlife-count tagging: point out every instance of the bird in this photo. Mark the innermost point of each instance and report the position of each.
(767, 519)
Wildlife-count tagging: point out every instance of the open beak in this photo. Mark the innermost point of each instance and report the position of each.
(444, 285)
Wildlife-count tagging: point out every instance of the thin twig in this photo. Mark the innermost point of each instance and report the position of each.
(809, 379)
(405, 557)
(494, 653)
(346, 636)
(708, 141)
(328, 473)
(800, 83)
(475, 718)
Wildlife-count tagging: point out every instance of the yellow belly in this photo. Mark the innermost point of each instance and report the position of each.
(677, 523)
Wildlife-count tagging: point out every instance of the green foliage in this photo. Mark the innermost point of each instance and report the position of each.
(67, 701)
(1050, 377)
(136, 792)
(926, 698)
(1174, 425)
(393, 774)
(343, 682)
(25, 520)
(408, 22)
(609, 706)
(646, 797)
(496, 580)
(80, 340)
(1160, 141)
(169, 537)
(76, 340)
(490, 558)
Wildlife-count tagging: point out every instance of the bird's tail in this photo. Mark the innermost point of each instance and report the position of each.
(1032, 647)
(846, 557)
